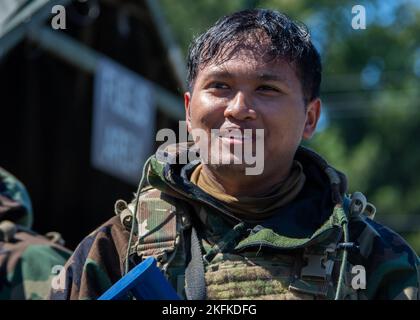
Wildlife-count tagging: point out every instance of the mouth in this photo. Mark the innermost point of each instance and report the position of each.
(232, 140)
(236, 136)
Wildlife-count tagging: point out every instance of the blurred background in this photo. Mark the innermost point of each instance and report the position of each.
(81, 105)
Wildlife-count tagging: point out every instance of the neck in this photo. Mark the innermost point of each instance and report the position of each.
(239, 184)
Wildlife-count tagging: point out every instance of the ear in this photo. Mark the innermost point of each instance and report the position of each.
(313, 112)
(187, 104)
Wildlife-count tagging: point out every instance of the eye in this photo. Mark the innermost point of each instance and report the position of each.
(267, 88)
(218, 85)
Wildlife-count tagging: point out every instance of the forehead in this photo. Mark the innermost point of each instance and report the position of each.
(249, 64)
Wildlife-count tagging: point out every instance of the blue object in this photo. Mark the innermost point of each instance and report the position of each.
(145, 281)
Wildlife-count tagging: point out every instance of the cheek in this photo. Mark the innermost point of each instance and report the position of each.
(206, 113)
(284, 127)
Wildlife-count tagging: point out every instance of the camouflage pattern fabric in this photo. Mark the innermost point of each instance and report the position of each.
(252, 276)
(293, 254)
(99, 261)
(26, 258)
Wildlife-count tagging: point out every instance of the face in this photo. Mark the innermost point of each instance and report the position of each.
(246, 92)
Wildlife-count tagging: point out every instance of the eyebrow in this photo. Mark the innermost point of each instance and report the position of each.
(223, 74)
(272, 77)
(219, 74)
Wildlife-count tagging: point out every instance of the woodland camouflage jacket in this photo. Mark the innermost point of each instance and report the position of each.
(26, 258)
(284, 257)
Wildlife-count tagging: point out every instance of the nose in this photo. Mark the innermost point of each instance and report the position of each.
(239, 108)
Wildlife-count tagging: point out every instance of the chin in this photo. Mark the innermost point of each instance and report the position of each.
(230, 168)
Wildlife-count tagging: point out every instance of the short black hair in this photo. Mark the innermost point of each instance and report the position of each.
(290, 40)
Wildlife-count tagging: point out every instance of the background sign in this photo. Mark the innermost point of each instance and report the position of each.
(123, 121)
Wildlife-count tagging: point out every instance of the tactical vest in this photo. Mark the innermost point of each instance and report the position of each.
(263, 265)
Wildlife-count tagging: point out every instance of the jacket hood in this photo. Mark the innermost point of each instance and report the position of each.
(15, 203)
(325, 186)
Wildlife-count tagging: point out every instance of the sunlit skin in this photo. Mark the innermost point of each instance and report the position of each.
(246, 92)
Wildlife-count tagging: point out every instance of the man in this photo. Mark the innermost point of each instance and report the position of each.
(218, 232)
(27, 260)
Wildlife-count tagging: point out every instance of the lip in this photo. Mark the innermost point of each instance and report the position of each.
(234, 131)
(233, 140)
(235, 135)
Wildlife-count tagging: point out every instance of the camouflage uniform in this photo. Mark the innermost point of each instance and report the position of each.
(26, 258)
(305, 250)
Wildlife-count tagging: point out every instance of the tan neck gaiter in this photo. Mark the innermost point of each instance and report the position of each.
(250, 207)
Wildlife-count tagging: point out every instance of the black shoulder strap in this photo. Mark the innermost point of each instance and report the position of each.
(195, 287)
